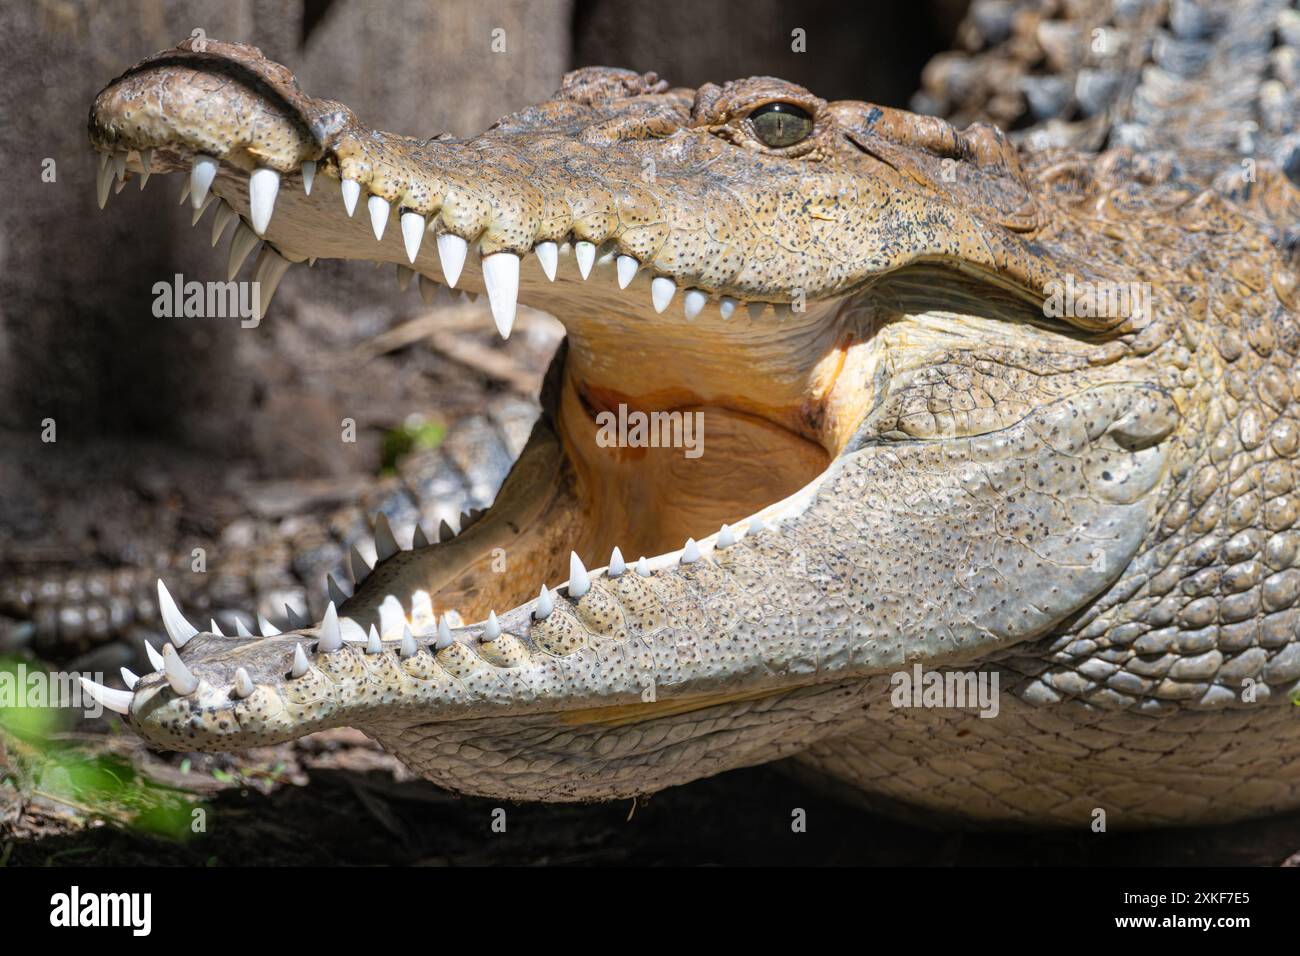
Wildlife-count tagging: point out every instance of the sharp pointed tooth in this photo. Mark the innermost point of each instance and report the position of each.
(103, 160)
(428, 290)
(412, 233)
(452, 250)
(373, 644)
(690, 553)
(727, 306)
(103, 181)
(579, 579)
(243, 684)
(585, 253)
(643, 567)
(501, 276)
(380, 210)
(202, 173)
(241, 244)
(241, 629)
(178, 675)
(616, 563)
(146, 161)
(662, 290)
(408, 647)
(693, 302)
(548, 257)
(336, 593)
(118, 701)
(178, 629)
(418, 539)
(270, 269)
(129, 679)
(627, 270)
(299, 666)
(331, 637)
(213, 629)
(404, 277)
(263, 186)
(492, 629)
(360, 567)
(445, 531)
(185, 190)
(756, 525)
(351, 190)
(197, 214)
(756, 309)
(385, 543)
(266, 627)
(155, 658)
(120, 185)
(391, 614)
(444, 634)
(545, 605)
(308, 175)
(296, 621)
(119, 165)
(726, 537)
(225, 215)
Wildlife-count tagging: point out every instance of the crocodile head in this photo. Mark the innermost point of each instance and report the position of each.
(881, 448)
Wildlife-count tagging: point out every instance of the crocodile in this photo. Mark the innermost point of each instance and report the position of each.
(969, 414)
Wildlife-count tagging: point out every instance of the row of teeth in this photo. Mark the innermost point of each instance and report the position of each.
(500, 269)
(334, 631)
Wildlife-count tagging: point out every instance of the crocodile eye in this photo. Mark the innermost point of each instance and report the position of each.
(780, 124)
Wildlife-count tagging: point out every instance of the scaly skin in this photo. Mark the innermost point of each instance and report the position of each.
(924, 465)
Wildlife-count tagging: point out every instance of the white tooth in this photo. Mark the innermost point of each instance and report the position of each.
(146, 160)
(391, 614)
(154, 657)
(756, 309)
(104, 180)
(379, 213)
(726, 537)
(418, 539)
(445, 531)
(408, 648)
(727, 306)
(118, 701)
(353, 633)
(308, 175)
(198, 213)
(202, 173)
(444, 634)
(690, 553)
(545, 605)
(385, 543)
(627, 270)
(428, 289)
(452, 250)
(662, 290)
(268, 272)
(243, 684)
(585, 253)
(756, 525)
(501, 276)
(266, 627)
(296, 621)
(120, 185)
(262, 188)
(241, 629)
(422, 607)
(454, 618)
(241, 244)
(185, 189)
(412, 233)
(103, 160)
(299, 662)
(360, 567)
(214, 629)
(129, 679)
(178, 675)
(373, 644)
(119, 165)
(548, 257)
(331, 638)
(178, 629)
(693, 302)
(225, 214)
(351, 190)
(336, 593)
(616, 563)
(579, 579)
(492, 629)
(643, 567)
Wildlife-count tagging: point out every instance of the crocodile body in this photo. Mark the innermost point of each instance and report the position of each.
(920, 459)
